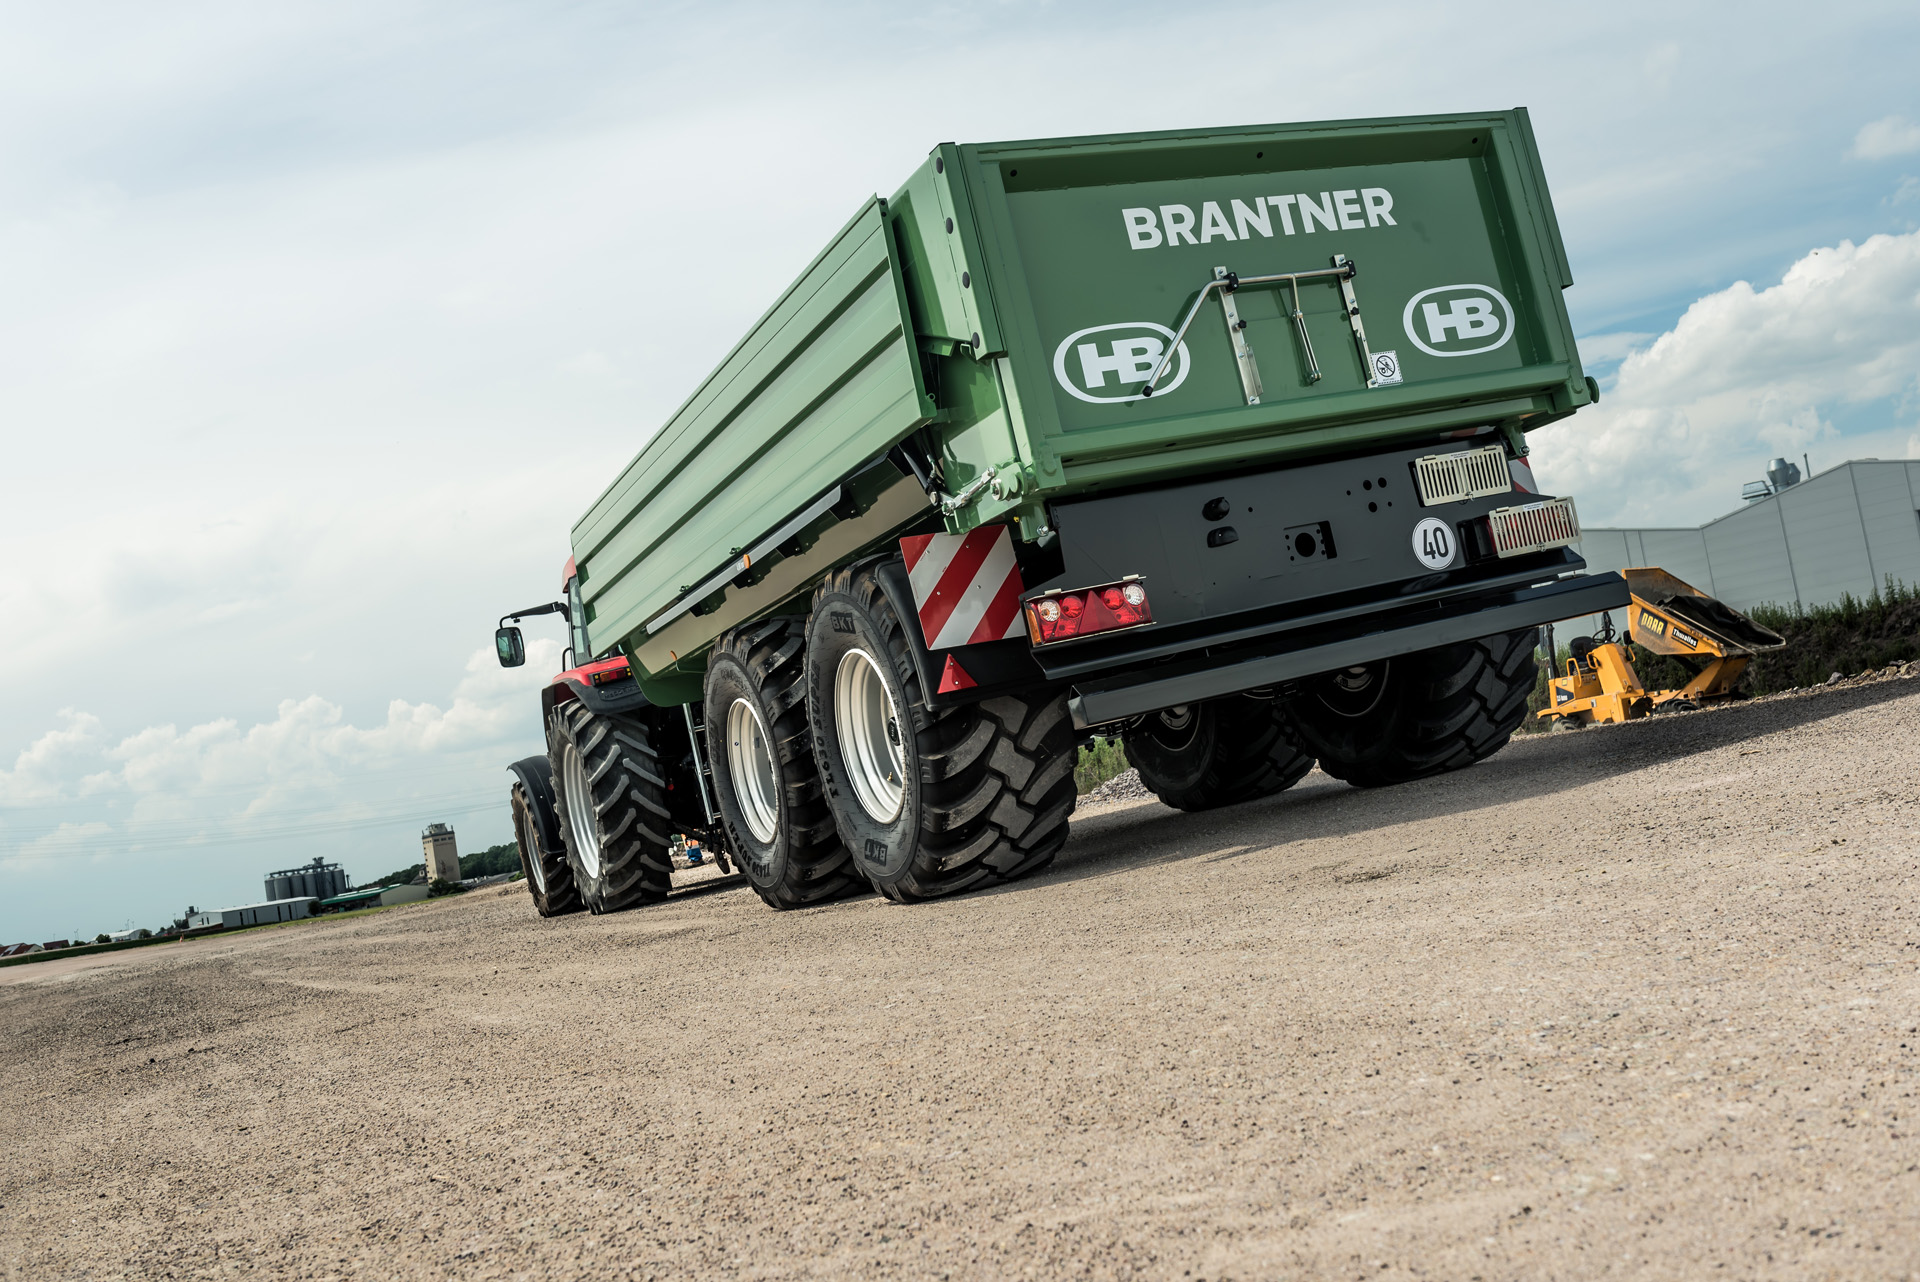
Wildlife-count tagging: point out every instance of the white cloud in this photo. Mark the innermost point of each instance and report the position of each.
(1745, 375)
(58, 763)
(1885, 138)
(162, 787)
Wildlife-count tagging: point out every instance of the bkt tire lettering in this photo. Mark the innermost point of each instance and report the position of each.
(1458, 320)
(1109, 363)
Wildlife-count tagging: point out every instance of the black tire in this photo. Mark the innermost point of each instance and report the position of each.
(986, 788)
(802, 862)
(1219, 753)
(1407, 718)
(549, 875)
(623, 808)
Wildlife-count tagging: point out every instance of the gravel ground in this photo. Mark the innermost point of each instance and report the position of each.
(1637, 1002)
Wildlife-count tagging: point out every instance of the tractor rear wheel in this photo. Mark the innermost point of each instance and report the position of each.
(1418, 715)
(930, 801)
(612, 797)
(778, 826)
(549, 875)
(1219, 753)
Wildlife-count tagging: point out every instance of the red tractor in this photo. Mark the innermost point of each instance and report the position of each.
(595, 815)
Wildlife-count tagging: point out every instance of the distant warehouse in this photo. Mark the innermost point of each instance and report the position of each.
(1845, 531)
(252, 914)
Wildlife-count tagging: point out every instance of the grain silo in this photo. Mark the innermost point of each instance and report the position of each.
(317, 880)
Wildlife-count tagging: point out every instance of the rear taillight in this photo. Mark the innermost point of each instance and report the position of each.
(1061, 616)
(607, 676)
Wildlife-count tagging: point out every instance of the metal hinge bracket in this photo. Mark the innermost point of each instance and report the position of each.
(1237, 333)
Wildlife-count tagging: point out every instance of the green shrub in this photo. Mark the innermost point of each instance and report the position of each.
(441, 886)
(1099, 763)
(1849, 637)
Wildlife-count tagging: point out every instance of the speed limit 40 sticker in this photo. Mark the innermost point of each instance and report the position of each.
(1434, 543)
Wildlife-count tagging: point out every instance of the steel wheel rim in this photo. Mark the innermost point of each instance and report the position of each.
(1177, 727)
(756, 786)
(530, 841)
(1356, 691)
(580, 816)
(870, 736)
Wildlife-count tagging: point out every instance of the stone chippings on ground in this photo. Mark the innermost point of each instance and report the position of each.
(1635, 1002)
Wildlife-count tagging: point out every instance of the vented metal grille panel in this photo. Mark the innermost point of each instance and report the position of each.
(1449, 478)
(1534, 527)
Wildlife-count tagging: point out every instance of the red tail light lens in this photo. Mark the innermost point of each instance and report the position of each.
(1061, 616)
(608, 673)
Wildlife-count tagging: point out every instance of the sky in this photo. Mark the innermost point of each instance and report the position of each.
(321, 323)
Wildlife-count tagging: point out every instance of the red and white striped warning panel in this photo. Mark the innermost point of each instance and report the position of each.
(965, 586)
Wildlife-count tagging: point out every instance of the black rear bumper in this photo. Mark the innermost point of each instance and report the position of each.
(1323, 645)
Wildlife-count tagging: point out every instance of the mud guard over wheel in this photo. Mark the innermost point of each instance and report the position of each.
(536, 830)
(765, 781)
(1218, 753)
(611, 797)
(1403, 719)
(930, 801)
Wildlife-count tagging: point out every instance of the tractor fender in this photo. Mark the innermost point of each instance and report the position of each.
(611, 700)
(535, 776)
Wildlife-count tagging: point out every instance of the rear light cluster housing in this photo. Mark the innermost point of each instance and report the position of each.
(1533, 527)
(609, 672)
(1085, 612)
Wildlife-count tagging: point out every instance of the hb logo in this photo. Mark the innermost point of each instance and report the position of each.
(1458, 320)
(1110, 362)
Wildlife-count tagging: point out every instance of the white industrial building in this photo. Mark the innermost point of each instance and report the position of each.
(253, 914)
(1845, 531)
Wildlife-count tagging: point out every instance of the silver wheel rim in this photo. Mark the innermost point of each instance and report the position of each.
(580, 816)
(870, 736)
(1352, 686)
(530, 841)
(756, 787)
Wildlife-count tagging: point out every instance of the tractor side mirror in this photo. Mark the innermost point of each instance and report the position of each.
(512, 650)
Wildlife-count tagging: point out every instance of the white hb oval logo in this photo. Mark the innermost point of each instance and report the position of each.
(1108, 363)
(1458, 320)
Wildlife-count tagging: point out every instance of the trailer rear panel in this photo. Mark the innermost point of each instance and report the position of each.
(1097, 250)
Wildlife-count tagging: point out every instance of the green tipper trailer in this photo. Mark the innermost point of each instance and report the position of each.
(1211, 439)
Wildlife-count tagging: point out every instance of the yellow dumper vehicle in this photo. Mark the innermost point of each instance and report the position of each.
(1665, 616)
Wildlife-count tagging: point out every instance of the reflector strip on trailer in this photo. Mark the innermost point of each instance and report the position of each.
(1471, 474)
(966, 587)
(1534, 527)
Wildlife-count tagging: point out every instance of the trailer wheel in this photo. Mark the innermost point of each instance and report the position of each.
(765, 780)
(549, 876)
(1218, 753)
(1418, 715)
(612, 799)
(930, 801)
